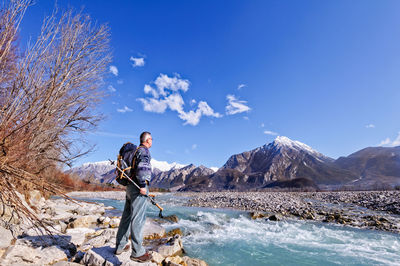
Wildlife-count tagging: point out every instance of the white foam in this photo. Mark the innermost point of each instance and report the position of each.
(300, 237)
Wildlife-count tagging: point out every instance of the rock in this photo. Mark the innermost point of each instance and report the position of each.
(275, 217)
(194, 262)
(174, 261)
(35, 199)
(21, 254)
(84, 221)
(114, 222)
(104, 220)
(156, 257)
(6, 237)
(256, 215)
(105, 237)
(104, 256)
(172, 247)
(66, 263)
(78, 235)
(172, 218)
(152, 230)
(176, 231)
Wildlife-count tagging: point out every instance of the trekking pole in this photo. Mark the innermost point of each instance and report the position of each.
(133, 182)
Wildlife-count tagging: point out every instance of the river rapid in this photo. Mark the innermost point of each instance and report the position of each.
(230, 237)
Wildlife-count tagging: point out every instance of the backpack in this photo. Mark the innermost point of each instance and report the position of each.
(126, 163)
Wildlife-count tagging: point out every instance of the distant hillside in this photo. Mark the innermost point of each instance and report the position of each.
(283, 163)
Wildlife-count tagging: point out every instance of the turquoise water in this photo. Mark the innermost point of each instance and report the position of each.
(228, 237)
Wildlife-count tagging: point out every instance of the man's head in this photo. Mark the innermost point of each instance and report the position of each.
(146, 139)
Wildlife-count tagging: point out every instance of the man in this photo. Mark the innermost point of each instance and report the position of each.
(133, 217)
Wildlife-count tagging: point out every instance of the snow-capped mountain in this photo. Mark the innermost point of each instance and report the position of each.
(177, 178)
(281, 160)
(165, 166)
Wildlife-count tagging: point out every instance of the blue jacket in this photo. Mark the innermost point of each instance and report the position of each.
(142, 166)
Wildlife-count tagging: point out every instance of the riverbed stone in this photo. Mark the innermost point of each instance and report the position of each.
(174, 261)
(152, 230)
(21, 254)
(172, 247)
(114, 222)
(84, 221)
(156, 257)
(6, 237)
(172, 218)
(78, 235)
(193, 261)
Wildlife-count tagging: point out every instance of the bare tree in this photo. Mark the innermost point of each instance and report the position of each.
(48, 103)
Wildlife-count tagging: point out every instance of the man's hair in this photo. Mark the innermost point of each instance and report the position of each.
(144, 136)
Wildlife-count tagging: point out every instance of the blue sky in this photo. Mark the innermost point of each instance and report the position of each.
(213, 78)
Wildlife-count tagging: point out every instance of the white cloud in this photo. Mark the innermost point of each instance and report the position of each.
(148, 89)
(153, 105)
(370, 126)
(111, 88)
(193, 117)
(390, 143)
(235, 106)
(241, 86)
(114, 70)
(175, 83)
(124, 110)
(194, 146)
(175, 102)
(167, 95)
(262, 125)
(120, 81)
(268, 132)
(137, 61)
(246, 118)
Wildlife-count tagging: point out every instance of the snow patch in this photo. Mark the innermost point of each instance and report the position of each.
(165, 166)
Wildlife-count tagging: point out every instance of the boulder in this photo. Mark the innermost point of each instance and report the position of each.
(78, 235)
(172, 247)
(105, 256)
(105, 237)
(84, 221)
(172, 218)
(66, 263)
(176, 231)
(194, 262)
(152, 230)
(256, 215)
(174, 261)
(156, 257)
(22, 254)
(275, 217)
(35, 199)
(114, 222)
(6, 237)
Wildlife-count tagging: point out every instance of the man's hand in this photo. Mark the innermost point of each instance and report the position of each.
(143, 191)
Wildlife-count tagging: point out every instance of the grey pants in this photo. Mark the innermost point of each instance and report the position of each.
(132, 221)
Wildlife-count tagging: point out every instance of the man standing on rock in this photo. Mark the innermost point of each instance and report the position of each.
(133, 217)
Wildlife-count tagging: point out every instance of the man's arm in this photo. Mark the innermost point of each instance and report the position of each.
(143, 170)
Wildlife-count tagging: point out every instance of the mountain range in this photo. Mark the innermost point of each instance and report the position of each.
(282, 163)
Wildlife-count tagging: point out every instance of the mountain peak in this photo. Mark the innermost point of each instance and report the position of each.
(282, 141)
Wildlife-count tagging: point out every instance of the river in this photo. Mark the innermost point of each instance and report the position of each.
(230, 237)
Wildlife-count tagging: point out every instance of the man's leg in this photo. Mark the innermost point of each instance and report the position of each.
(139, 206)
(123, 228)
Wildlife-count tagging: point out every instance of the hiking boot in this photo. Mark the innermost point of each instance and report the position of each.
(143, 258)
(119, 251)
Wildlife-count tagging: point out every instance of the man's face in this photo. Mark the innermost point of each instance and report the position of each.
(149, 142)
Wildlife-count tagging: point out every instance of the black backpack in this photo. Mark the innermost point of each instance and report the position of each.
(126, 163)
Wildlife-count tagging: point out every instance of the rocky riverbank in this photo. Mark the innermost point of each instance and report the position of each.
(373, 210)
(80, 234)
